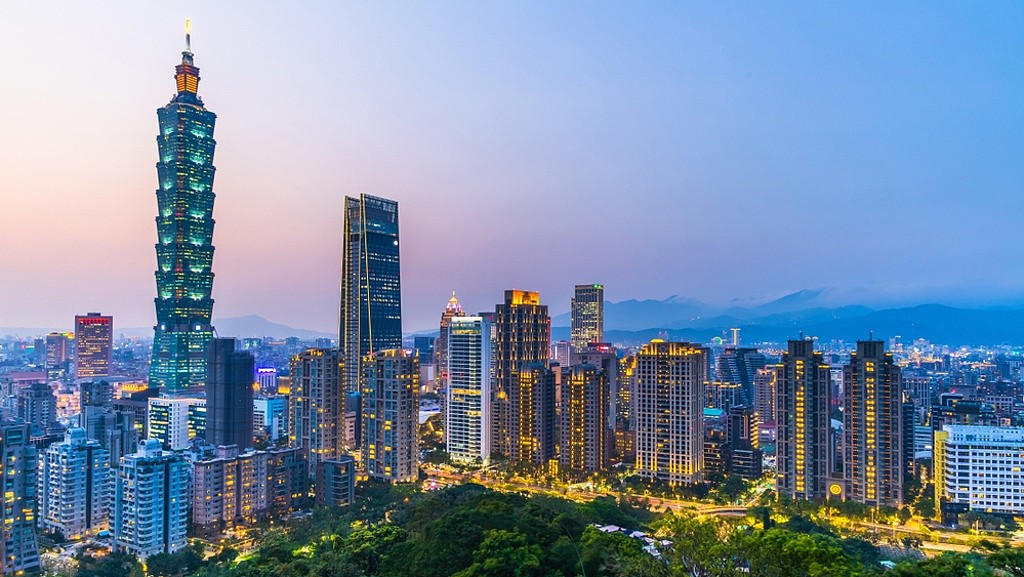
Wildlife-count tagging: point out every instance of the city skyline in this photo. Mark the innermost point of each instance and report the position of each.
(726, 130)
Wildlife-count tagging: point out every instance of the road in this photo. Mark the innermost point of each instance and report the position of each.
(932, 540)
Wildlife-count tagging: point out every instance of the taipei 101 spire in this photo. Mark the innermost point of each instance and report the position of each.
(184, 225)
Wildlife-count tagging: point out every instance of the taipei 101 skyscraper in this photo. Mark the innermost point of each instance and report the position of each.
(184, 249)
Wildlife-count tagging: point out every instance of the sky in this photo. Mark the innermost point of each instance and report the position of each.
(712, 150)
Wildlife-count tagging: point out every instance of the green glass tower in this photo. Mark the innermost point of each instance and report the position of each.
(184, 249)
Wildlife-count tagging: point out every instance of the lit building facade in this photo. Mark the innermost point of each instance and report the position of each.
(266, 377)
(532, 411)
(603, 356)
(57, 361)
(37, 406)
(229, 395)
(371, 291)
(873, 464)
(980, 468)
(802, 417)
(745, 457)
(740, 365)
(237, 489)
(764, 394)
(336, 482)
(668, 411)
(175, 421)
(587, 315)
(151, 501)
(390, 428)
(94, 345)
(625, 424)
(451, 311)
(583, 430)
(19, 549)
(522, 335)
(468, 404)
(184, 248)
(316, 405)
(74, 487)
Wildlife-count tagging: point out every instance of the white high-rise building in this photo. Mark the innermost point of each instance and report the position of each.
(980, 467)
(74, 487)
(151, 501)
(467, 423)
(172, 420)
(668, 411)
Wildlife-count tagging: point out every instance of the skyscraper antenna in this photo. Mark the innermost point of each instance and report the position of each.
(188, 35)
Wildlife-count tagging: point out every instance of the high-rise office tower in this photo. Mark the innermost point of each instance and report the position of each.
(532, 414)
(151, 499)
(668, 411)
(184, 224)
(802, 402)
(19, 549)
(873, 427)
(467, 426)
(740, 365)
(229, 382)
(391, 415)
(583, 430)
(371, 292)
(451, 311)
(522, 335)
(587, 312)
(74, 486)
(94, 346)
(316, 405)
(37, 406)
(58, 356)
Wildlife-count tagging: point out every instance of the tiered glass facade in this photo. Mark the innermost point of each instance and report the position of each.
(184, 249)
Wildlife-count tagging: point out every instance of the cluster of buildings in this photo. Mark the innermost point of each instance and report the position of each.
(213, 440)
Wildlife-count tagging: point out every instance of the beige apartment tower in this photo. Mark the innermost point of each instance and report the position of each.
(668, 411)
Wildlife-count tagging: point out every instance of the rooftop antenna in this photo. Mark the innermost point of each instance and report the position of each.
(188, 35)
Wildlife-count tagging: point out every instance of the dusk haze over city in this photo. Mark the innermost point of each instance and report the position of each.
(512, 290)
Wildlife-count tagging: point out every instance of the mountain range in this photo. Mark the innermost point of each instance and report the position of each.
(813, 312)
(822, 313)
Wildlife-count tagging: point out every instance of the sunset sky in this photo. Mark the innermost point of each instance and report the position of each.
(716, 151)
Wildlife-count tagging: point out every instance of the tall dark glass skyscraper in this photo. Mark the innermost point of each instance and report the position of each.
(371, 291)
(184, 249)
(229, 395)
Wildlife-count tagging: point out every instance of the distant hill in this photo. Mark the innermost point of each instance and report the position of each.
(257, 326)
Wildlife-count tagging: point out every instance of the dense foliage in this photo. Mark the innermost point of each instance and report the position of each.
(471, 531)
